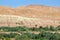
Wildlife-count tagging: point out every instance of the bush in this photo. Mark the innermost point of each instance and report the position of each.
(52, 28)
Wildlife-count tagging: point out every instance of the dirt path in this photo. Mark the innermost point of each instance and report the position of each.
(35, 32)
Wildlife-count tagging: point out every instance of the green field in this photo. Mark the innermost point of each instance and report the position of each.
(25, 33)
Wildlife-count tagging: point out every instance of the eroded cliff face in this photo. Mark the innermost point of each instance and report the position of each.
(30, 16)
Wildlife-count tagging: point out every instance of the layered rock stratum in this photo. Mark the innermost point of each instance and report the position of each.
(29, 16)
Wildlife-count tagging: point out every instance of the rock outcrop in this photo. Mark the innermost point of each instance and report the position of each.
(30, 16)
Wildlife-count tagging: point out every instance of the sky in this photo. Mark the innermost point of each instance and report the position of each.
(16, 3)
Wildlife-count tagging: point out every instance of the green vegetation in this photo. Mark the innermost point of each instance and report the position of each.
(25, 33)
(32, 36)
(23, 28)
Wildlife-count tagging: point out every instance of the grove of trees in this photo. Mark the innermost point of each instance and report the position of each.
(25, 33)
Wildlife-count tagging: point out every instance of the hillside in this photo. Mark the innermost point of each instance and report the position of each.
(29, 16)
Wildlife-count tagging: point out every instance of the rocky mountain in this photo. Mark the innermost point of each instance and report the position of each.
(30, 16)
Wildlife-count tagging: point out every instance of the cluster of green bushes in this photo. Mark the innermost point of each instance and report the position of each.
(13, 29)
(42, 35)
(23, 28)
(32, 36)
(11, 35)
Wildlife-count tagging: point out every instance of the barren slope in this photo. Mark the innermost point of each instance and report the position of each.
(30, 16)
